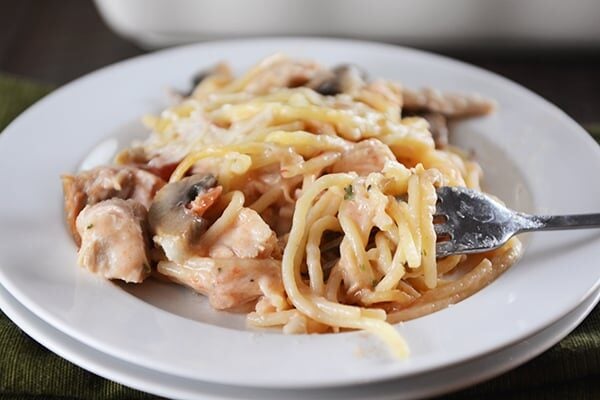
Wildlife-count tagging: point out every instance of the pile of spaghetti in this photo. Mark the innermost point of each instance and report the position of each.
(303, 194)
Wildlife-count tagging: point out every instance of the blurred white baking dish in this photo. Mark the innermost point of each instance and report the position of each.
(159, 23)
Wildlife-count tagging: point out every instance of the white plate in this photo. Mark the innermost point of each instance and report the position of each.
(535, 157)
(424, 385)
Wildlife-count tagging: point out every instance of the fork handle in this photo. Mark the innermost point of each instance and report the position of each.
(559, 222)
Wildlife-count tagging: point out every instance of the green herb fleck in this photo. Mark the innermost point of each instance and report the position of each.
(425, 252)
(348, 192)
(90, 226)
(362, 267)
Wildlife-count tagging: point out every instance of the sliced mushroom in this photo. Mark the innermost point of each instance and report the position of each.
(341, 79)
(197, 78)
(176, 214)
(438, 125)
(200, 76)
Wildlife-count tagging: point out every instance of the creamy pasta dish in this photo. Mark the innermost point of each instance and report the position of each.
(300, 194)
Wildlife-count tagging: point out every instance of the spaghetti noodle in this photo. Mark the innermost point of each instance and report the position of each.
(303, 192)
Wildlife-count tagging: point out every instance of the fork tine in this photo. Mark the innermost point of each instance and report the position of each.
(442, 229)
(442, 209)
(444, 249)
(474, 222)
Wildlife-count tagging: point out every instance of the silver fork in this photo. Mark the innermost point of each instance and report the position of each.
(474, 223)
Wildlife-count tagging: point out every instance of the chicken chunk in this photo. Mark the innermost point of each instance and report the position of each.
(102, 183)
(451, 105)
(248, 237)
(114, 240)
(233, 269)
(367, 208)
(228, 283)
(364, 157)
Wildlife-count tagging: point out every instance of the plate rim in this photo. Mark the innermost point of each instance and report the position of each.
(52, 320)
(535, 347)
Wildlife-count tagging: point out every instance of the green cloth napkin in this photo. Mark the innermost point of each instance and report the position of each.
(569, 370)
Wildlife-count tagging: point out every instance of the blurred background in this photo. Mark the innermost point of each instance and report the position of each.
(550, 46)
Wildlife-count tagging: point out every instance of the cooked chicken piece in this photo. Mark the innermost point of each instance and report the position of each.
(366, 208)
(248, 237)
(364, 157)
(102, 183)
(114, 242)
(137, 157)
(228, 283)
(230, 270)
(451, 105)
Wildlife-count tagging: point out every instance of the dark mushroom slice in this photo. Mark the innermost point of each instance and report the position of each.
(197, 78)
(200, 76)
(438, 124)
(341, 79)
(175, 216)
